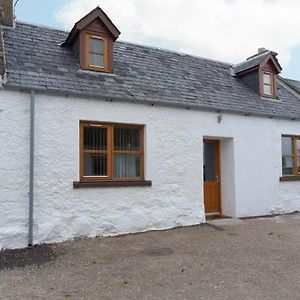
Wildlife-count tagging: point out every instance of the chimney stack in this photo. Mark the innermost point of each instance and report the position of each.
(261, 50)
(7, 13)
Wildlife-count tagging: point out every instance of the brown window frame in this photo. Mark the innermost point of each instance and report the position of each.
(294, 155)
(88, 66)
(110, 151)
(272, 85)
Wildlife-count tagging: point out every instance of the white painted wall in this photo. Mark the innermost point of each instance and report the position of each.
(251, 161)
(228, 177)
(14, 169)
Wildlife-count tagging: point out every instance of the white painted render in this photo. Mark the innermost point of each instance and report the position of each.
(250, 161)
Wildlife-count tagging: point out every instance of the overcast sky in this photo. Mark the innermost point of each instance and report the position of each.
(227, 30)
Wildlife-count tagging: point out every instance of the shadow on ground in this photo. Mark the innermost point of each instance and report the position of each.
(37, 255)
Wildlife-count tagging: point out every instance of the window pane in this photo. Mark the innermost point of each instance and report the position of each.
(97, 60)
(298, 146)
(95, 138)
(287, 146)
(209, 164)
(298, 155)
(127, 139)
(267, 90)
(287, 165)
(267, 78)
(127, 166)
(95, 164)
(96, 45)
(287, 155)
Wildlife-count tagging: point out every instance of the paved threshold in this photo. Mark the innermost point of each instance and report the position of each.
(223, 222)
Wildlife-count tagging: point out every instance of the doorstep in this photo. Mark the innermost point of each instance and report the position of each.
(215, 216)
(224, 221)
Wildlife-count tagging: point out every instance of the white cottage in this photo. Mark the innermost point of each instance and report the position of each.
(103, 137)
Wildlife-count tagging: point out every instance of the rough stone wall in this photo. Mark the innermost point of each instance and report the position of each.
(289, 200)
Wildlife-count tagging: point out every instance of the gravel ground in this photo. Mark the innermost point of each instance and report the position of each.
(258, 259)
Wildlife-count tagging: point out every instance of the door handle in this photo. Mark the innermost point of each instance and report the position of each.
(217, 178)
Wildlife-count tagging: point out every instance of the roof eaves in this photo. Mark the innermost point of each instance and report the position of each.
(246, 65)
(245, 70)
(151, 102)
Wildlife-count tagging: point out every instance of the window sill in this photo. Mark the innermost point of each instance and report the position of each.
(290, 178)
(99, 184)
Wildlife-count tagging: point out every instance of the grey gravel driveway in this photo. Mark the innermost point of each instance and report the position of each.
(257, 259)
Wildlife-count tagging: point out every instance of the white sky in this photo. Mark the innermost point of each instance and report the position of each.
(227, 30)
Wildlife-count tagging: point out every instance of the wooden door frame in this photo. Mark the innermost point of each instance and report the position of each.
(218, 169)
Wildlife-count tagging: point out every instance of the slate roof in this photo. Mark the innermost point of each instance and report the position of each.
(293, 83)
(35, 60)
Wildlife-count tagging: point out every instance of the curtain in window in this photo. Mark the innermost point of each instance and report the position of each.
(287, 155)
(127, 162)
(127, 166)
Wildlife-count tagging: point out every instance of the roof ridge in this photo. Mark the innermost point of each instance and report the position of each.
(41, 26)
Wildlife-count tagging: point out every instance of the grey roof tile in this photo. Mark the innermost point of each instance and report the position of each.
(293, 83)
(34, 59)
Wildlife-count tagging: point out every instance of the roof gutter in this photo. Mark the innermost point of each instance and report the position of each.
(31, 168)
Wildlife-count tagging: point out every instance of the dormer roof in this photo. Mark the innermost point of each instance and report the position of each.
(96, 13)
(258, 61)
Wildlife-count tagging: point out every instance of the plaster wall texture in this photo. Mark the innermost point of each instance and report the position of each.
(14, 169)
(227, 177)
(250, 161)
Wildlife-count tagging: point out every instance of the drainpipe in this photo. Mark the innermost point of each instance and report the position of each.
(31, 169)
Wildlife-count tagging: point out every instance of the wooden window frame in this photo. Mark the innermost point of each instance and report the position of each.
(87, 52)
(110, 152)
(272, 85)
(294, 155)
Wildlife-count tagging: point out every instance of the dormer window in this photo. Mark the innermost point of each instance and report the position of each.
(259, 72)
(268, 89)
(96, 53)
(92, 41)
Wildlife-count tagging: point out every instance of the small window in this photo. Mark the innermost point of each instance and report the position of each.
(111, 152)
(268, 89)
(290, 155)
(96, 53)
